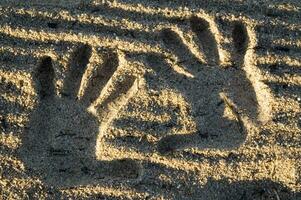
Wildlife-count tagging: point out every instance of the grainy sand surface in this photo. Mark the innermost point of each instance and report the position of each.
(128, 99)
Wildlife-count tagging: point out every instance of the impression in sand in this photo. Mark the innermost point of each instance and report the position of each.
(62, 136)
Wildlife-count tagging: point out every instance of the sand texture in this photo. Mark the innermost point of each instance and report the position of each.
(128, 99)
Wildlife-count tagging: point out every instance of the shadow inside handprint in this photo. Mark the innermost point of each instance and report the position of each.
(218, 95)
(60, 142)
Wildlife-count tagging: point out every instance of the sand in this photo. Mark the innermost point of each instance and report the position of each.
(130, 99)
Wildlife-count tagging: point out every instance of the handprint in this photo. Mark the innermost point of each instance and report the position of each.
(218, 95)
(62, 136)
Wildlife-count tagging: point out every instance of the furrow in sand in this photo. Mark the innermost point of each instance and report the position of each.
(93, 40)
(240, 169)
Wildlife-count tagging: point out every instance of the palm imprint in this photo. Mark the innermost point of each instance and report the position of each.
(61, 141)
(219, 96)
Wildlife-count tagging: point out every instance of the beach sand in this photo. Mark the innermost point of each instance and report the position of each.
(128, 99)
